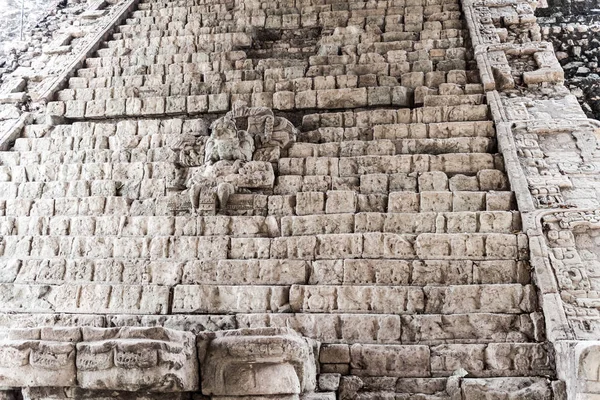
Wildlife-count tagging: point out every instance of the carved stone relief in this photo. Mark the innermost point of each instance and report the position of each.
(256, 362)
(225, 172)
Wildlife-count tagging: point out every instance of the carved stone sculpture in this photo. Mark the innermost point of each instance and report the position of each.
(256, 362)
(38, 357)
(152, 359)
(235, 160)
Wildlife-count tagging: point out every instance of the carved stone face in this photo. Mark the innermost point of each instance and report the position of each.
(224, 130)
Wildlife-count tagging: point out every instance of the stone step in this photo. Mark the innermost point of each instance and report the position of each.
(132, 171)
(91, 298)
(139, 199)
(218, 299)
(432, 246)
(144, 226)
(348, 201)
(475, 120)
(127, 155)
(238, 21)
(451, 164)
(388, 128)
(259, 226)
(419, 273)
(168, 127)
(432, 222)
(367, 388)
(381, 147)
(504, 299)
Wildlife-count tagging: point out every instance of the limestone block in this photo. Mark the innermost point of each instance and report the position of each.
(28, 359)
(410, 223)
(390, 360)
(339, 246)
(378, 299)
(342, 98)
(369, 222)
(256, 362)
(436, 201)
(223, 299)
(316, 183)
(451, 357)
(218, 102)
(403, 182)
(281, 205)
(305, 99)
(339, 201)
(153, 359)
(133, 106)
(374, 183)
(433, 181)
(492, 180)
(329, 382)
(533, 387)
(310, 203)
(326, 272)
(413, 80)
(284, 100)
(518, 357)
(464, 183)
(403, 202)
(388, 245)
(380, 272)
(317, 224)
(75, 109)
(401, 96)
(379, 96)
(469, 201)
(56, 108)
(335, 354)
(249, 248)
(197, 104)
(296, 248)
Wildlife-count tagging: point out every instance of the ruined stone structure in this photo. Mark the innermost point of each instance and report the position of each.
(300, 199)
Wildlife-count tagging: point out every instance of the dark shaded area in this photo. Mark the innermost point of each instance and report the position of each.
(573, 27)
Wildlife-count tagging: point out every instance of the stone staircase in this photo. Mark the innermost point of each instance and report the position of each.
(391, 234)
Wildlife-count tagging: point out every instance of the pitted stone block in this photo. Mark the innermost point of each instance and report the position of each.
(38, 357)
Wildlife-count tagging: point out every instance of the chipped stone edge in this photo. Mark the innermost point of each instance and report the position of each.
(45, 91)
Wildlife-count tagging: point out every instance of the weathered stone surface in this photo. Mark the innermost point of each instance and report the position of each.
(132, 359)
(38, 357)
(342, 172)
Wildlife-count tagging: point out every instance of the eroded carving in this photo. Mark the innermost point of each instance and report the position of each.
(38, 357)
(265, 361)
(152, 359)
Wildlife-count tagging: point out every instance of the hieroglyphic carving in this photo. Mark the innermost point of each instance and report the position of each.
(261, 361)
(235, 160)
(552, 152)
(575, 260)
